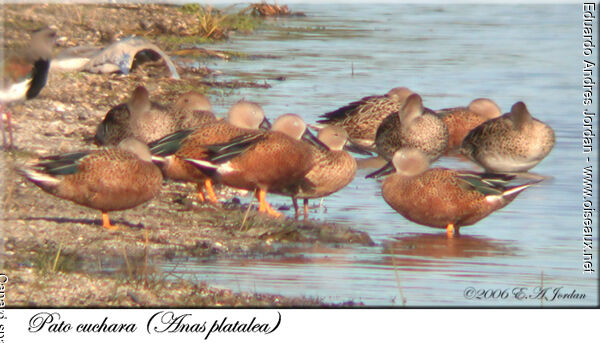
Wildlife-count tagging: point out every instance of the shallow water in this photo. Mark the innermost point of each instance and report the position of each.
(450, 54)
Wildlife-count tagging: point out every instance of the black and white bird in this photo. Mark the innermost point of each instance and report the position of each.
(24, 74)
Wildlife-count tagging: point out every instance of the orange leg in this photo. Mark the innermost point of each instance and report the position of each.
(106, 222)
(451, 231)
(146, 237)
(210, 191)
(263, 205)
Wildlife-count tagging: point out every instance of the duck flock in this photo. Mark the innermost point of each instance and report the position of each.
(143, 142)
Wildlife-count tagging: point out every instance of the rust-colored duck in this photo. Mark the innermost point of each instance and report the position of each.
(271, 161)
(461, 120)
(109, 179)
(514, 142)
(333, 168)
(440, 197)
(244, 117)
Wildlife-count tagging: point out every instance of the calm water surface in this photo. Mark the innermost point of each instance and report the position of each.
(450, 54)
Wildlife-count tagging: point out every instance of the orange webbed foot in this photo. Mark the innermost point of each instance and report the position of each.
(210, 191)
(452, 231)
(263, 205)
(106, 223)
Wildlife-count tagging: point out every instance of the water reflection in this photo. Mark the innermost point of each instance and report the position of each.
(471, 52)
(439, 246)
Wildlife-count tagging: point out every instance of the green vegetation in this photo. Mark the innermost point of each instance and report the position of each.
(243, 22)
(50, 261)
(215, 24)
(212, 25)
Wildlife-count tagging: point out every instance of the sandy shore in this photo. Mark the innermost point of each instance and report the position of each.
(52, 244)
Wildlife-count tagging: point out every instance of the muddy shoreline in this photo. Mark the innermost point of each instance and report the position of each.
(56, 253)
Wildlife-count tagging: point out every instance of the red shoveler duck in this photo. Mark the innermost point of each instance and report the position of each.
(271, 161)
(333, 168)
(244, 117)
(109, 179)
(461, 120)
(440, 197)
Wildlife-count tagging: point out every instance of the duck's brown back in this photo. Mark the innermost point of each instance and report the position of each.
(437, 198)
(111, 180)
(275, 163)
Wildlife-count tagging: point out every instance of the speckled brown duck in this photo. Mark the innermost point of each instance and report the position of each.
(412, 127)
(333, 168)
(147, 121)
(461, 120)
(514, 142)
(244, 117)
(109, 179)
(439, 197)
(271, 161)
(361, 118)
(24, 74)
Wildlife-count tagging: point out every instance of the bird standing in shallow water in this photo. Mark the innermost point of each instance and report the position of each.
(109, 179)
(361, 118)
(514, 142)
(461, 120)
(333, 168)
(272, 161)
(439, 197)
(24, 74)
(412, 127)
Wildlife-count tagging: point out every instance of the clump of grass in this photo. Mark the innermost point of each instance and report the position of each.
(215, 24)
(50, 261)
(243, 22)
(210, 23)
(190, 8)
(139, 270)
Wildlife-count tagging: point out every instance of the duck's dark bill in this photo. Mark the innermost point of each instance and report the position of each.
(312, 139)
(383, 171)
(357, 149)
(265, 124)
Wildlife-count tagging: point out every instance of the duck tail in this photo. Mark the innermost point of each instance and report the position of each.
(510, 193)
(514, 191)
(39, 178)
(204, 165)
(159, 159)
